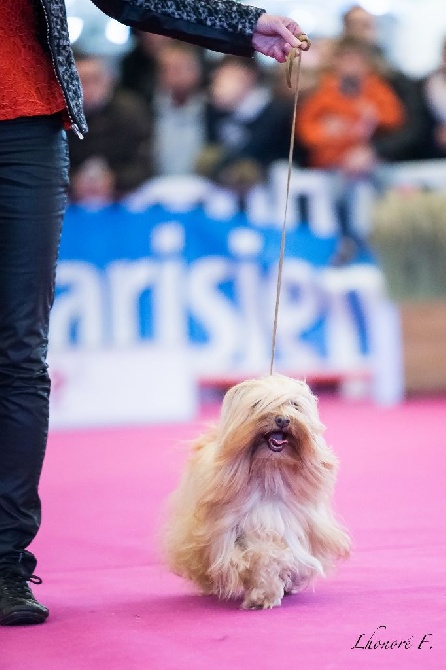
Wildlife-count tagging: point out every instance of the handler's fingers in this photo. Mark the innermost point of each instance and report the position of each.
(290, 32)
(278, 54)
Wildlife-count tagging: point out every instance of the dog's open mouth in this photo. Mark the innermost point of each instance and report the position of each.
(277, 440)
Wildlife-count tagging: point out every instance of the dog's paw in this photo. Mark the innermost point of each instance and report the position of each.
(292, 583)
(259, 600)
(291, 588)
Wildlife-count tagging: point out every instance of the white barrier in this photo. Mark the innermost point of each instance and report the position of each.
(117, 386)
(421, 174)
(315, 185)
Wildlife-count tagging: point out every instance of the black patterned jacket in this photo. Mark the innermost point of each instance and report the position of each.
(220, 25)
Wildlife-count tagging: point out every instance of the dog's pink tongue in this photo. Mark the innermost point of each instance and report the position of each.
(277, 441)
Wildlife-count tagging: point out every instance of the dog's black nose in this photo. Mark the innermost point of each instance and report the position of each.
(282, 422)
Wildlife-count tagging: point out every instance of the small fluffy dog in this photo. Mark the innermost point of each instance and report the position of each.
(252, 516)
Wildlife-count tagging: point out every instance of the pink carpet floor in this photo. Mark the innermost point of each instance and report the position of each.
(114, 606)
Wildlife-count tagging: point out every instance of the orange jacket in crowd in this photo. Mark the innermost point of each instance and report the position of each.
(330, 122)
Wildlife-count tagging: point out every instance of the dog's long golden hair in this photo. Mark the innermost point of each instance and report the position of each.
(252, 515)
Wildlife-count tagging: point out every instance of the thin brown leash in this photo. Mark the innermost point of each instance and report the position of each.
(295, 55)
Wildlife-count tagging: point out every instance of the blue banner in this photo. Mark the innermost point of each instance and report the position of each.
(185, 278)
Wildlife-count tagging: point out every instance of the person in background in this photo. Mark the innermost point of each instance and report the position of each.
(114, 157)
(405, 143)
(358, 22)
(338, 124)
(178, 110)
(434, 92)
(247, 128)
(40, 98)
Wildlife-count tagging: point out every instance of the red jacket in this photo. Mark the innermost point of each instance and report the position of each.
(29, 85)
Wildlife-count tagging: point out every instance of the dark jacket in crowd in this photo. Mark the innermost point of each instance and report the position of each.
(263, 137)
(406, 143)
(120, 134)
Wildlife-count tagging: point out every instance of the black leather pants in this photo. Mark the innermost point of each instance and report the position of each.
(33, 193)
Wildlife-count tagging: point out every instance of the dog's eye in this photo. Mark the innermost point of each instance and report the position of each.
(295, 404)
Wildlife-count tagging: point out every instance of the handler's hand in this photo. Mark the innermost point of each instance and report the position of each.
(275, 36)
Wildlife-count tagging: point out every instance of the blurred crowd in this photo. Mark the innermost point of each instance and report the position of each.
(168, 108)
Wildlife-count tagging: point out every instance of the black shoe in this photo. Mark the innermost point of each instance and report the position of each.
(18, 607)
